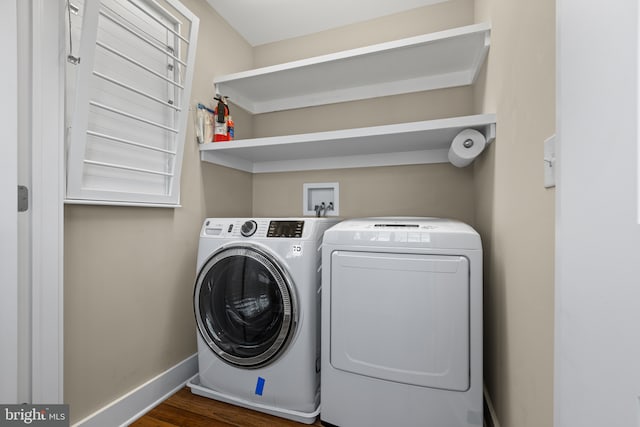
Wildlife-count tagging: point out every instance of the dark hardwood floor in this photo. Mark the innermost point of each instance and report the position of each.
(185, 409)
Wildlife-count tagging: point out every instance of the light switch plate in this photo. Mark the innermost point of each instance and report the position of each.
(550, 162)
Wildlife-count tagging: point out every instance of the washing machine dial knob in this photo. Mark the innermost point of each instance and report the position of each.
(248, 228)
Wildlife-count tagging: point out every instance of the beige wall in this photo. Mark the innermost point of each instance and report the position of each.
(436, 104)
(129, 272)
(438, 190)
(441, 16)
(515, 214)
(423, 190)
(376, 111)
(418, 190)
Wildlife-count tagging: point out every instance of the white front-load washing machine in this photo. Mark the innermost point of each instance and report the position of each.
(257, 309)
(402, 324)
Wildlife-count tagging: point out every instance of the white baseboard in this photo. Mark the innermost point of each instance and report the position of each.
(491, 419)
(128, 408)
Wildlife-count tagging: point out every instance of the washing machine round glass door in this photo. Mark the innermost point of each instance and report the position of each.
(244, 305)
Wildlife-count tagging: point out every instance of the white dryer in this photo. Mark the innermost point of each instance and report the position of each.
(257, 309)
(402, 324)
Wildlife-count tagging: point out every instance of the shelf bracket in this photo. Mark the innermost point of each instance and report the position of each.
(490, 133)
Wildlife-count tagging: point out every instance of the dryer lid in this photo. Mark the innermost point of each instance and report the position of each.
(396, 232)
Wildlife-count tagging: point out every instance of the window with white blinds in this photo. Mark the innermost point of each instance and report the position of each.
(132, 91)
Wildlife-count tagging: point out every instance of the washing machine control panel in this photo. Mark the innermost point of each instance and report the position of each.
(257, 228)
(291, 229)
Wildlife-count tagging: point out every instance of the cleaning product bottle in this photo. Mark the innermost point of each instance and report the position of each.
(208, 125)
(230, 128)
(221, 115)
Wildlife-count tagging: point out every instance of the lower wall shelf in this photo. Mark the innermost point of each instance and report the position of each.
(397, 144)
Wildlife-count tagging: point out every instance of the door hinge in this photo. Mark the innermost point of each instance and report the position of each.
(23, 198)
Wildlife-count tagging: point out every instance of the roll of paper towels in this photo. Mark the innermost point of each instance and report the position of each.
(466, 146)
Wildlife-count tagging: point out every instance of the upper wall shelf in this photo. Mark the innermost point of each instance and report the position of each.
(431, 61)
(398, 144)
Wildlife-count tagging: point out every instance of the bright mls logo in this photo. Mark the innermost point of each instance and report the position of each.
(36, 415)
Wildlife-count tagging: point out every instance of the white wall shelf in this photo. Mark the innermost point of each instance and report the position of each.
(431, 61)
(397, 144)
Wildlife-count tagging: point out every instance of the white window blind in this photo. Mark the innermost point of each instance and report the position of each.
(132, 94)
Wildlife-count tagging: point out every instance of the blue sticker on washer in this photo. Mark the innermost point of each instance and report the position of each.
(260, 386)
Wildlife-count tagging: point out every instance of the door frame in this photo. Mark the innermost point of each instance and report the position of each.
(45, 79)
(9, 210)
(597, 234)
(48, 178)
